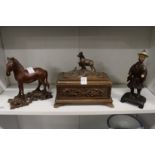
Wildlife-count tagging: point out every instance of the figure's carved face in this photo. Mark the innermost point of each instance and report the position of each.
(142, 58)
(9, 66)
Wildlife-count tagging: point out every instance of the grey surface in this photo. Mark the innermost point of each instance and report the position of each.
(148, 120)
(151, 71)
(48, 122)
(93, 122)
(8, 122)
(113, 49)
(65, 122)
(76, 37)
(3, 81)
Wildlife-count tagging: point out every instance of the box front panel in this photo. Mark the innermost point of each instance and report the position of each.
(83, 92)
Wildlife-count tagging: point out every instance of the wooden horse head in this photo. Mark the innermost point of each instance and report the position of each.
(85, 62)
(23, 76)
(11, 65)
(80, 55)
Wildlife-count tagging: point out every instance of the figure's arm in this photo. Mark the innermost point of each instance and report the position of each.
(144, 75)
(130, 73)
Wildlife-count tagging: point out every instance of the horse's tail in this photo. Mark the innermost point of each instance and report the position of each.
(46, 81)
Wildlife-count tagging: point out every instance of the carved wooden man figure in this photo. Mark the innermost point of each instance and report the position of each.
(136, 78)
(137, 74)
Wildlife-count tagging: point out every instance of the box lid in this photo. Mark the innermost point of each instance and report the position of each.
(75, 77)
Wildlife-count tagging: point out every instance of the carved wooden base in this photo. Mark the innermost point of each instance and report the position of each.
(107, 102)
(20, 101)
(39, 95)
(17, 102)
(134, 99)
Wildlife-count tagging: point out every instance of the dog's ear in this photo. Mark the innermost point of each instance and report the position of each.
(8, 58)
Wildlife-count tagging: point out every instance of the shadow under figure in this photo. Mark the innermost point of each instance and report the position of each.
(28, 75)
(136, 78)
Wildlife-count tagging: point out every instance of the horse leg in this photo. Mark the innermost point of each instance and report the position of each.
(21, 89)
(43, 83)
(92, 68)
(39, 84)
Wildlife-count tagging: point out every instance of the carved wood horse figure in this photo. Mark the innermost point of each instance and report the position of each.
(23, 76)
(86, 62)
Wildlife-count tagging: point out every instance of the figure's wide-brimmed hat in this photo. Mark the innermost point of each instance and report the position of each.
(144, 52)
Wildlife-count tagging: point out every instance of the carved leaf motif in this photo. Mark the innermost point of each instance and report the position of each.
(83, 92)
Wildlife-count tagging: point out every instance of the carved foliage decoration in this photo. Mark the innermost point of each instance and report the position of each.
(83, 92)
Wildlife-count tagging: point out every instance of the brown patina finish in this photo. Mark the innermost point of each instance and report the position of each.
(22, 76)
(70, 90)
(85, 62)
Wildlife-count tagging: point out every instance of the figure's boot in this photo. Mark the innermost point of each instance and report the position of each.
(132, 91)
(138, 92)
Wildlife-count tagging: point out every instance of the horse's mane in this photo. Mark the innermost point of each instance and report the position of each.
(18, 64)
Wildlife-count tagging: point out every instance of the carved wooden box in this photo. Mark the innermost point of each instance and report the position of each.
(71, 90)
